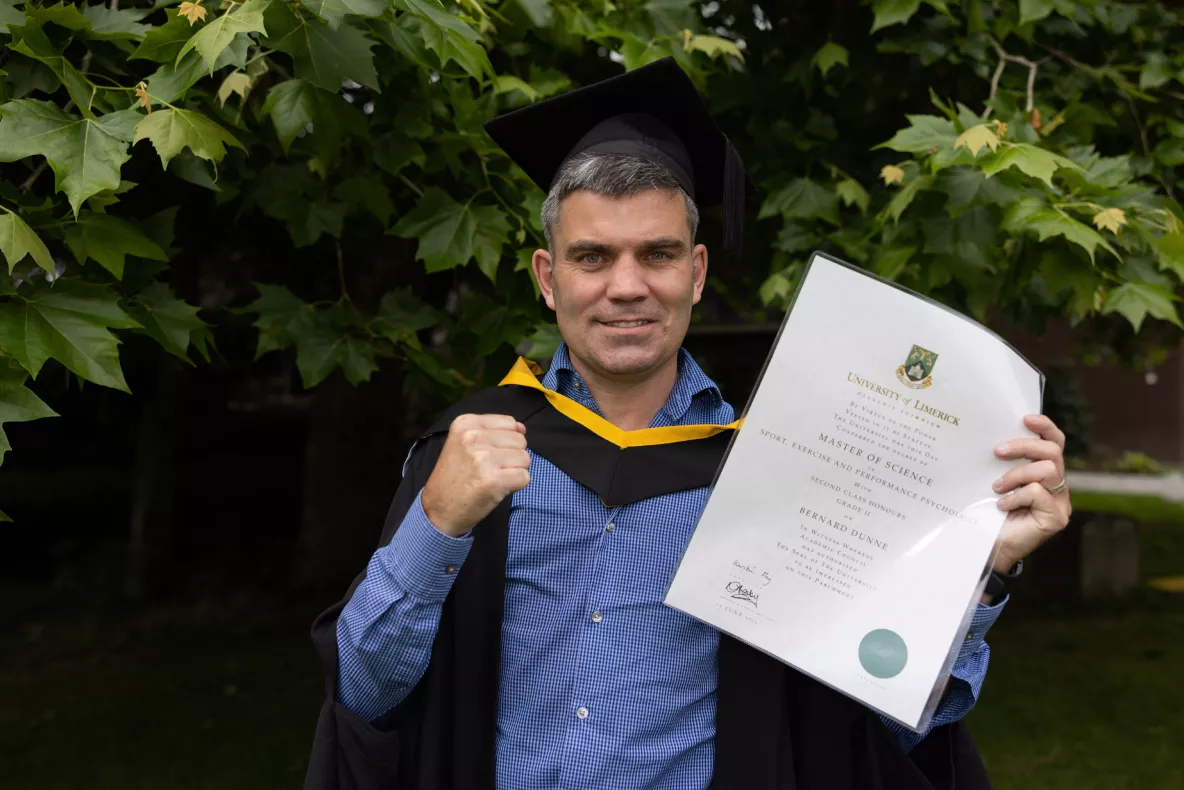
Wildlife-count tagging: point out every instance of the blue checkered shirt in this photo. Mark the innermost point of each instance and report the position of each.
(602, 685)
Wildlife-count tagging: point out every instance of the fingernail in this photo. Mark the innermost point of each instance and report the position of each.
(998, 484)
(1001, 448)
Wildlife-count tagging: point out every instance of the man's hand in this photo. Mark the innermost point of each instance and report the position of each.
(484, 460)
(1034, 512)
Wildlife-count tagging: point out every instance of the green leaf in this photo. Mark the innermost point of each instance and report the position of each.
(492, 232)
(108, 240)
(1034, 10)
(507, 83)
(278, 310)
(829, 56)
(115, 24)
(893, 12)
(539, 11)
(167, 319)
(891, 261)
(163, 43)
(35, 44)
(10, 17)
(965, 185)
(713, 46)
(325, 57)
(172, 80)
(171, 131)
(219, 32)
(85, 153)
(333, 11)
(17, 240)
(852, 193)
(1135, 301)
(1031, 216)
(393, 152)
(18, 403)
(924, 134)
(1028, 159)
(193, 171)
(324, 342)
(63, 14)
(450, 38)
(1156, 71)
(1169, 248)
(1170, 151)
(366, 192)
(446, 230)
(400, 315)
(902, 199)
(544, 341)
(68, 322)
(803, 199)
(292, 106)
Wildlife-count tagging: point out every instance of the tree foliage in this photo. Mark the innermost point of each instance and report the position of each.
(1018, 160)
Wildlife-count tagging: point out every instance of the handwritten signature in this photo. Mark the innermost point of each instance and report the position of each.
(742, 593)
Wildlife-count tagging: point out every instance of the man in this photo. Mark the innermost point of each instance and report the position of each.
(509, 633)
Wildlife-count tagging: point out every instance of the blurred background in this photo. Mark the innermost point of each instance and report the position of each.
(254, 249)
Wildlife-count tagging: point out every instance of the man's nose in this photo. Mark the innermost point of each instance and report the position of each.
(627, 280)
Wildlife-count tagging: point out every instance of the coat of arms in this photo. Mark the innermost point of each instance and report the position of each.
(917, 370)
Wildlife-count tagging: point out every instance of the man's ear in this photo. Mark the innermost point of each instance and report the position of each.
(698, 270)
(544, 268)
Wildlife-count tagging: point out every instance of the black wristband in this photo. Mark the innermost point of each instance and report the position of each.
(996, 587)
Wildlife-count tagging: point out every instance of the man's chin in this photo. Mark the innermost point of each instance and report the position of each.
(629, 362)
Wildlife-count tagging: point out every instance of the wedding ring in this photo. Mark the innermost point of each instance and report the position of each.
(1058, 488)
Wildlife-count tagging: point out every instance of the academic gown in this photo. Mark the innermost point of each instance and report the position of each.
(776, 729)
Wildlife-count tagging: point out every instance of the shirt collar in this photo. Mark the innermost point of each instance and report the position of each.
(692, 383)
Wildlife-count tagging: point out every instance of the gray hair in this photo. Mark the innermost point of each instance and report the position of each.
(614, 175)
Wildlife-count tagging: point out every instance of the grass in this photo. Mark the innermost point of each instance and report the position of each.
(1161, 522)
(1088, 698)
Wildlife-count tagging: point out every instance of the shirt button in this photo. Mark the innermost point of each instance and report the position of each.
(450, 569)
(597, 617)
(581, 712)
(610, 527)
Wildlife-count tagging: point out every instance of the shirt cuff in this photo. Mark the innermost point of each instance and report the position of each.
(984, 617)
(422, 560)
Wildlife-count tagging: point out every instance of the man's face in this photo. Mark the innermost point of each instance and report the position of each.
(623, 279)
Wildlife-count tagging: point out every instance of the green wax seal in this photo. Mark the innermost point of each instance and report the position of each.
(883, 653)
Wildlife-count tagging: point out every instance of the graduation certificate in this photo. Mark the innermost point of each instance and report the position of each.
(851, 525)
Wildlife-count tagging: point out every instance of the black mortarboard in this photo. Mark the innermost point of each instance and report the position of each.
(653, 112)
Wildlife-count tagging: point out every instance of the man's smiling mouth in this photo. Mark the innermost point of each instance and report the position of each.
(627, 324)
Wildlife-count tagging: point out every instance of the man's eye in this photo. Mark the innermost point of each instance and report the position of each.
(591, 257)
(659, 255)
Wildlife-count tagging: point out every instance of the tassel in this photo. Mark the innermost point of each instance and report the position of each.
(735, 187)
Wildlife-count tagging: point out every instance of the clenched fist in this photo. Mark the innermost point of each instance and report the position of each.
(484, 460)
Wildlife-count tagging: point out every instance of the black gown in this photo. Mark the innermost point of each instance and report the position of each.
(776, 729)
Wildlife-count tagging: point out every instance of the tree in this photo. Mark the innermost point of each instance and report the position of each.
(1011, 158)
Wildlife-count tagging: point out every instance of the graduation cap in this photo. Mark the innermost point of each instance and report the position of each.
(653, 112)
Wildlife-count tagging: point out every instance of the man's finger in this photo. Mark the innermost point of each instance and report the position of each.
(506, 440)
(511, 459)
(1043, 472)
(1032, 449)
(498, 422)
(1046, 429)
(1033, 495)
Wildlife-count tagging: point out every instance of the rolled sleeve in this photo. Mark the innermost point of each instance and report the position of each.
(422, 560)
(975, 640)
(966, 676)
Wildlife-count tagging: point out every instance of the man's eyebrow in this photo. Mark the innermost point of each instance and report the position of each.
(663, 243)
(584, 246)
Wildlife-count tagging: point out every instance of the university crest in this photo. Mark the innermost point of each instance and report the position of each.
(917, 370)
